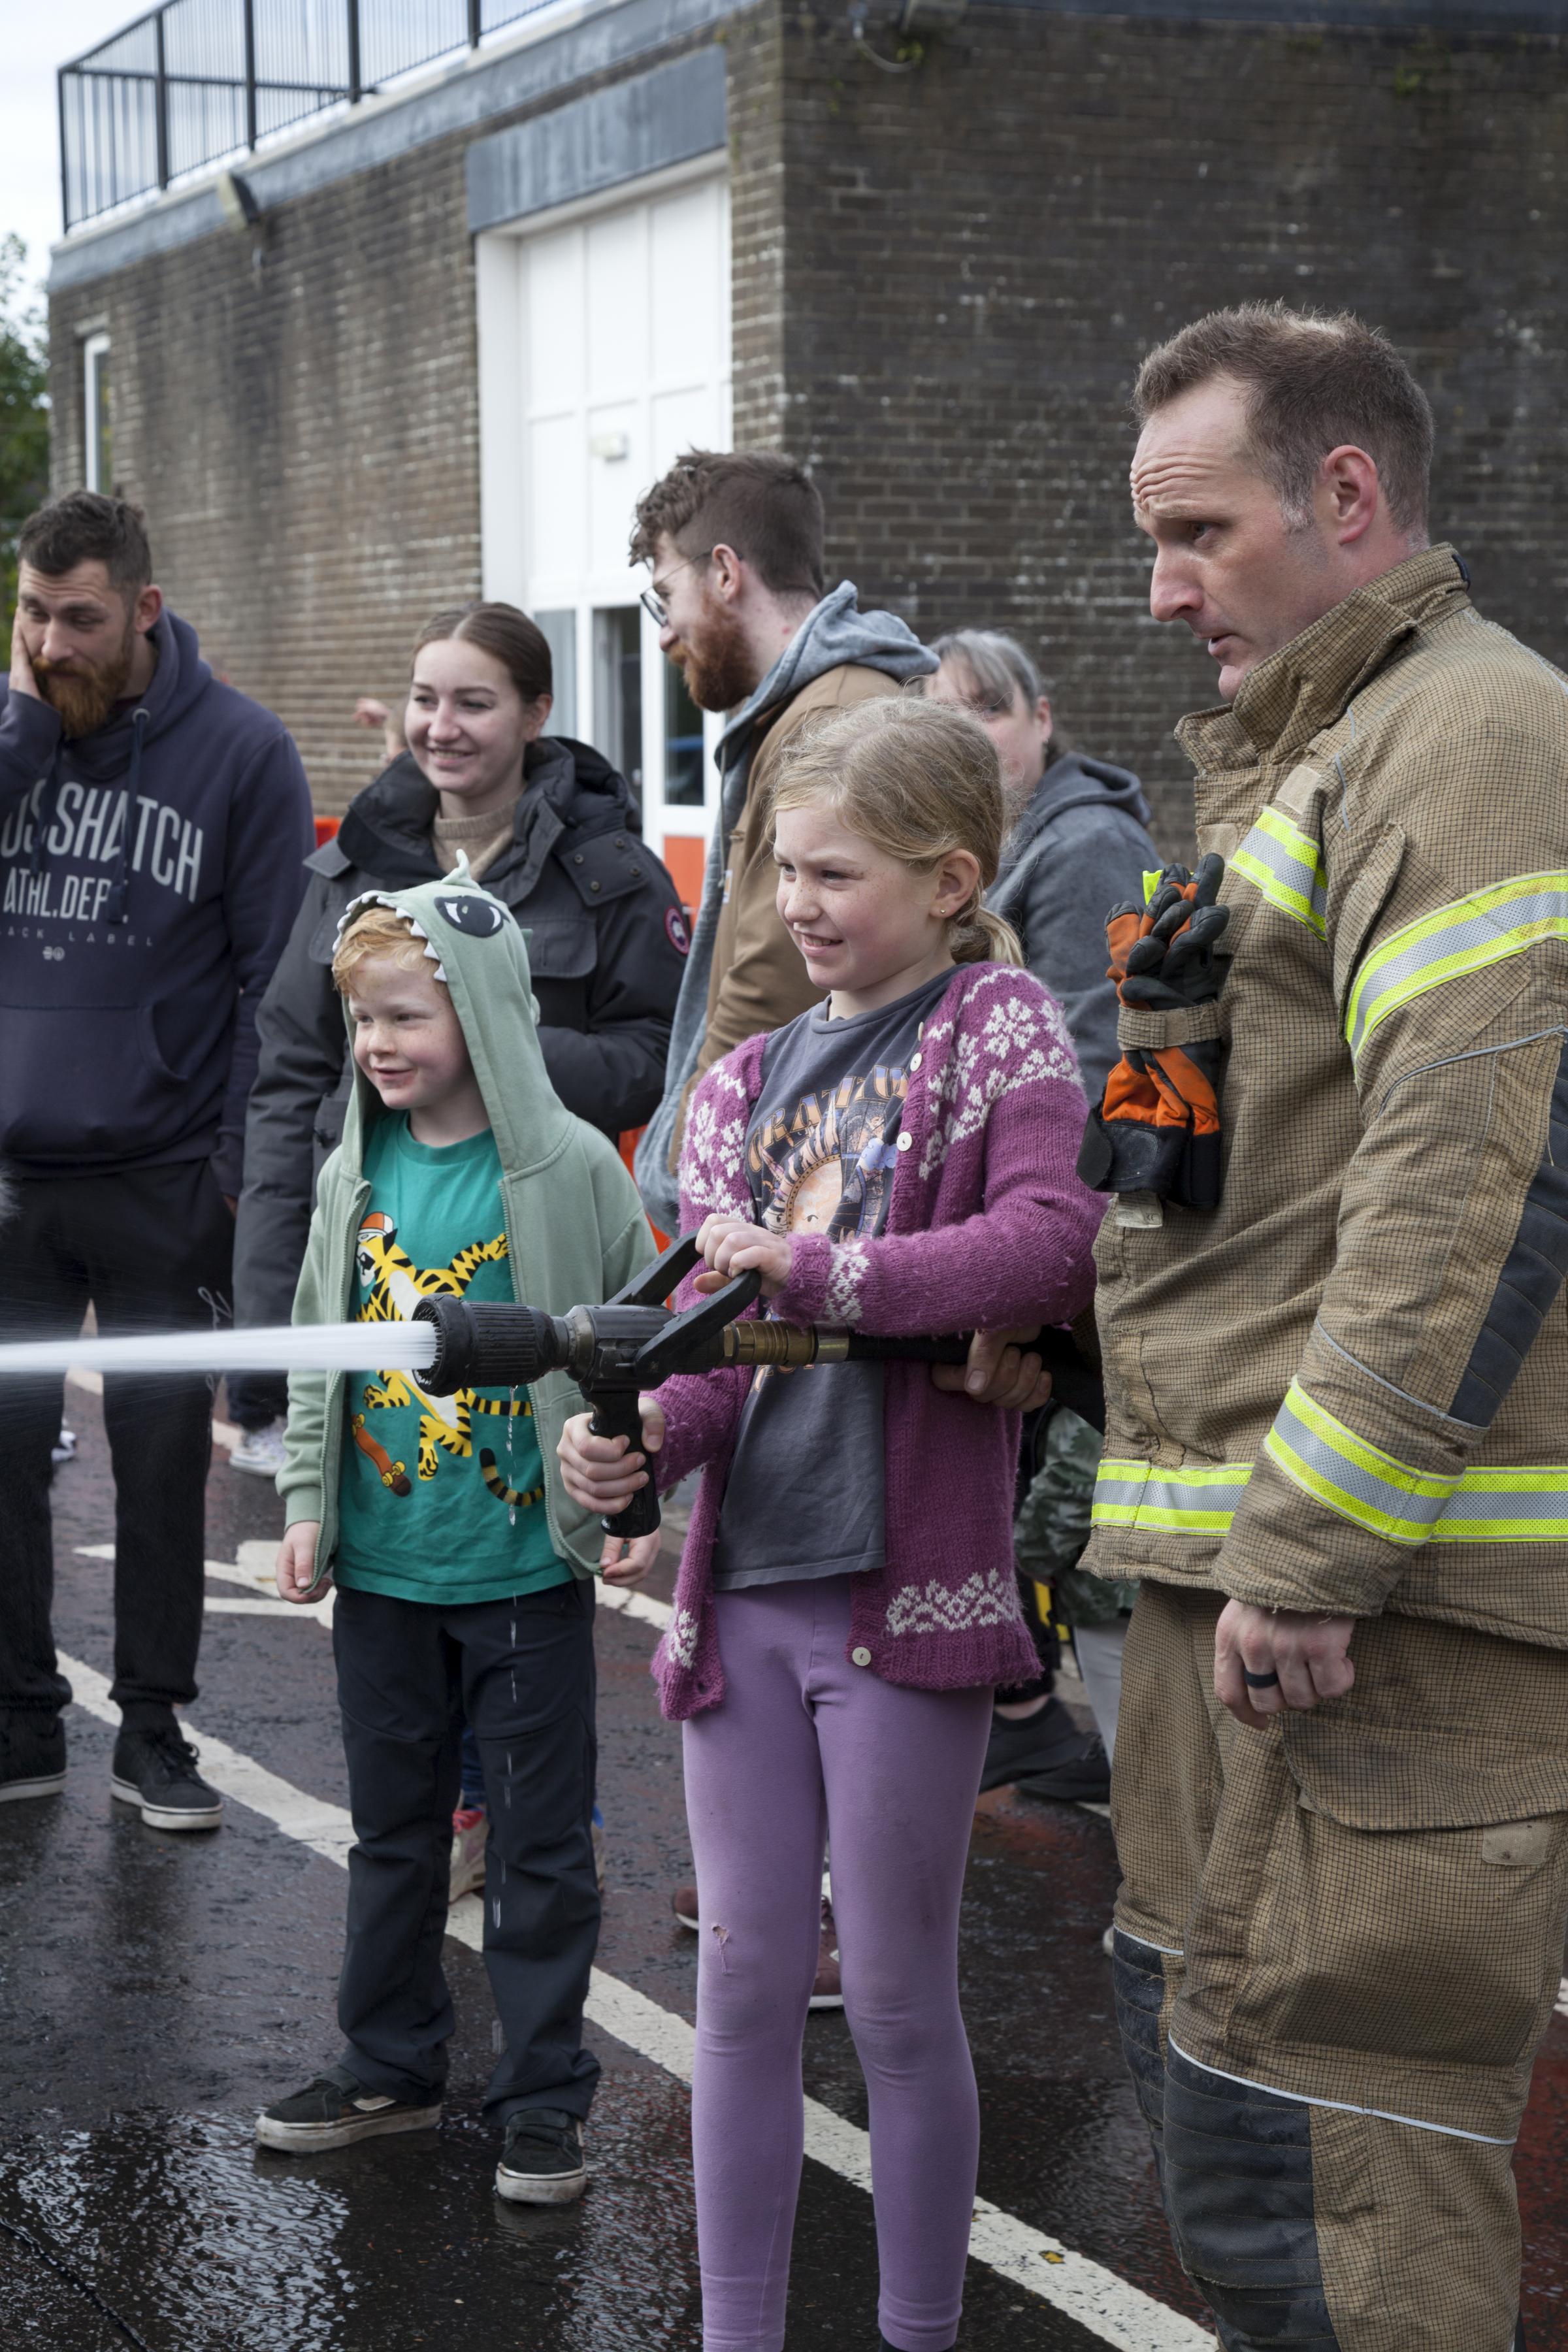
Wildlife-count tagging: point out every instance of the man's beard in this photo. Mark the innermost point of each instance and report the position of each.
(721, 672)
(85, 694)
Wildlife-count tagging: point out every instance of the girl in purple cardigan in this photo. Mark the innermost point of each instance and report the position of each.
(900, 1159)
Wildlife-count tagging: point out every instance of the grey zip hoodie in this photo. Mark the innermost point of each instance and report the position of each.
(1080, 847)
(834, 634)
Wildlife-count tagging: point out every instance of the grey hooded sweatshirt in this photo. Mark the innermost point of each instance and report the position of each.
(837, 655)
(1080, 847)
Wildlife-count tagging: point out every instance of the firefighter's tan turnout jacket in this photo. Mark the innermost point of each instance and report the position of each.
(1348, 1389)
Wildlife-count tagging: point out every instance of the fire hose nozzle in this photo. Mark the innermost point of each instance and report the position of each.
(504, 1346)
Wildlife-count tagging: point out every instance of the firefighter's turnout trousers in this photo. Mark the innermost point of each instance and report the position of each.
(1338, 1945)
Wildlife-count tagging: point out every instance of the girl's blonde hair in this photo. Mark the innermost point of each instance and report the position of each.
(918, 780)
(379, 933)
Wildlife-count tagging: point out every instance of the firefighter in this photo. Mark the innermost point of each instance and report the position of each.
(1336, 1352)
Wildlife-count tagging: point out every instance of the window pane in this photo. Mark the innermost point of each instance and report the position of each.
(618, 689)
(682, 743)
(99, 450)
(559, 631)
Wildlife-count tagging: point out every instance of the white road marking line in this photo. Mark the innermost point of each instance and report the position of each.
(1108, 2306)
(640, 1605)
(256, 1573)
(224, 1432)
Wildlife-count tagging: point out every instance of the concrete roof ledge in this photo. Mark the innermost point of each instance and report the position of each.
(635, 127)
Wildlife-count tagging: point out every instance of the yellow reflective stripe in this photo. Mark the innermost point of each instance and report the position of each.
(1484, 928)
(1188, 1502)
(1285, 866)
(1193, 1501)
(1150, 882)
(1361, 1482)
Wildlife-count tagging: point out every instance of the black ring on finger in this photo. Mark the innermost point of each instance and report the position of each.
(1259, 1682)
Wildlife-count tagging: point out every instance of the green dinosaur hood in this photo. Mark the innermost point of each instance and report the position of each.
(575, 1228)
(473, 941)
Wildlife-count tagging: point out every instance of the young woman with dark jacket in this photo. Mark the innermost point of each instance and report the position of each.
(550, 827)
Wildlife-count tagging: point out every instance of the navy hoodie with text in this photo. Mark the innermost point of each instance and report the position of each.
(148, 878)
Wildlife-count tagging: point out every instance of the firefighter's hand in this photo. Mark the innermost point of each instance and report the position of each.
(1309, 1653)
(1001, 1369)
(602, 1474)
(625, 1560)
(296, 1567)
(733, 1245)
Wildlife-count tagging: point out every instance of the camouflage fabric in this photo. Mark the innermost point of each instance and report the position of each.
(1052, 1526)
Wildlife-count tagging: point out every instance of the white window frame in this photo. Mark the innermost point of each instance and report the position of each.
(95, 347)
(502, 537)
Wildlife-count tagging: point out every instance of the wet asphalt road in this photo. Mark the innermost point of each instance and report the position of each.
(154, 1990)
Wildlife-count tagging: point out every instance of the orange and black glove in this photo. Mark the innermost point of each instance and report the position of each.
(1157, 1129)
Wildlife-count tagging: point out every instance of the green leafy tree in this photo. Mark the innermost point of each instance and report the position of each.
(24, 415)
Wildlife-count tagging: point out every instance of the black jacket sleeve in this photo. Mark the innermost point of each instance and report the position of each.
(303, 1048)
(611, 1072)
(270, 836)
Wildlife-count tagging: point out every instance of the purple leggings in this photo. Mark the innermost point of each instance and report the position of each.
(805, 1749)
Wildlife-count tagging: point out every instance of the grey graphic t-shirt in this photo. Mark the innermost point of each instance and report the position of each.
(804, 1495)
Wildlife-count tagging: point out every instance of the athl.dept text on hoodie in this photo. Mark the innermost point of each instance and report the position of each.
(149, 876)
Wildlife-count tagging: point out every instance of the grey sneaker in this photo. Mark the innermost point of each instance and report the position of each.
(260, 1451)
(542, 2163)
(156, 1770)
(335, 2110)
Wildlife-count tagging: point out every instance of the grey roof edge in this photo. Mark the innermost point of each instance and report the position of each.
(480, 86)
(475, 89)
(1479, 18)
(643, 124)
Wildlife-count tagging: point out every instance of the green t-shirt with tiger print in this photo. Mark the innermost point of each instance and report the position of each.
(442, 1498)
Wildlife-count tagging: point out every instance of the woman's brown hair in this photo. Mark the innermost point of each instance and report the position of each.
(918, 780)
(507, 636)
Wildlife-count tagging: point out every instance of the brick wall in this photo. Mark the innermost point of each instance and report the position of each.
(303, 431)
(978, 251)
(943, 280)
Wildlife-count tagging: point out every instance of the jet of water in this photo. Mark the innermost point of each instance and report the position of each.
(285, 1347)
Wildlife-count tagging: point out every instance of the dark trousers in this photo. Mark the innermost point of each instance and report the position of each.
(150, 1250)
(522, 1672)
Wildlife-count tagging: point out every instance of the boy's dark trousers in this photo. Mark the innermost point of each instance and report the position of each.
(522, 1673)
(149, 1248)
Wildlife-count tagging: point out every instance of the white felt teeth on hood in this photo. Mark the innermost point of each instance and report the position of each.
(433, 952)
(415, 927)
(440, 971)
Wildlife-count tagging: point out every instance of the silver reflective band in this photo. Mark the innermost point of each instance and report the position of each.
(1187, 1501)
(1487, 927)
(1284, 865)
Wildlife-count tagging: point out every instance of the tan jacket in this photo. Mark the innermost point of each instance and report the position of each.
(1348, 1389)
(759, 979)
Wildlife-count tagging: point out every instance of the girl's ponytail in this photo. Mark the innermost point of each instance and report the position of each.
(917, 780)
(977, 936)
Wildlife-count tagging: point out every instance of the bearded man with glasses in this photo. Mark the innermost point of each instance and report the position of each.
(734, 544)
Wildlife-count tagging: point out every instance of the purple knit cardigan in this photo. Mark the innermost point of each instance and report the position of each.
(987, 1226)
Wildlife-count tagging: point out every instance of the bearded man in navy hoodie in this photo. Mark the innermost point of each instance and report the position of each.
(152, 824)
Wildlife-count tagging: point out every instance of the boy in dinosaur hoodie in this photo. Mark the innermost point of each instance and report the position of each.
(464, 1570)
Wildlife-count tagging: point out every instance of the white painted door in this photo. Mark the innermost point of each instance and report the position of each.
(616, 325)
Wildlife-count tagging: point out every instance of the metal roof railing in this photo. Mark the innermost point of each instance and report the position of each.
(196, 81)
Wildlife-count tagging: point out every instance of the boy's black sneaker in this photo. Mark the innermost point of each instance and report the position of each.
(542, 2163)
(335, 2110)
(156, 1770)
(32, 1756)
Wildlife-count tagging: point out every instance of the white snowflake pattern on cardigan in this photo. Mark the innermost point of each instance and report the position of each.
(979, 1600)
